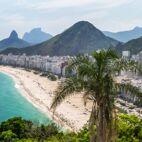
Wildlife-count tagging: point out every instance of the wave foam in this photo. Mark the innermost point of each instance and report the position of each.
(17, 86)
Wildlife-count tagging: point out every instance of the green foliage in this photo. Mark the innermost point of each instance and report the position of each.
(7, 136)
(82, 136)
(43, 132)
(26, 140)
(49, 75)
(26, 69)
(22, 129)
(130, 129)
(36, 72)
(134, 46)
(52, 77)
(44, 74)
(18, 126)
(95, 78)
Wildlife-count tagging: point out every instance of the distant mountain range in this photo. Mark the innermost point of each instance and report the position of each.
(134, 46)
(82, 37)
(13, 41)
(125, 36)
(36, 36)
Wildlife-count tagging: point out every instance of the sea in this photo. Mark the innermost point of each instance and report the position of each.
(13, 104)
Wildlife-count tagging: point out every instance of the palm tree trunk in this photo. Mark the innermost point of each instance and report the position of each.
(104, 126)
(97, 127)
(101, 126)
(92, 122)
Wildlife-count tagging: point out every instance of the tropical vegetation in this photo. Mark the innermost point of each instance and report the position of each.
(95, 76)
(20, 130)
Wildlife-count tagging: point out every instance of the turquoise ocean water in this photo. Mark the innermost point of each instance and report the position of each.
(12, 103)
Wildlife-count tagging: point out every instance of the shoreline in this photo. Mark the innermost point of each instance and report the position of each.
(69, 114)
(29, 97)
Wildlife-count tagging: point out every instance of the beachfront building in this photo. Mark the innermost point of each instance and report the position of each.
(54, 64)
(126, 54)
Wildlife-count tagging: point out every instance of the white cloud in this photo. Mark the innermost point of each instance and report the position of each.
(57, 15)
(57, 4)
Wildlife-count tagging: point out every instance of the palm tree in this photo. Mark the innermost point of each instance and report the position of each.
(95, 77)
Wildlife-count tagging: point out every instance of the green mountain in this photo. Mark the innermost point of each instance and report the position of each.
(13, 41)
(82, 37)
(134, 46)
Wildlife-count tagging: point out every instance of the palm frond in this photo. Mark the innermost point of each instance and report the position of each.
(127, 87)
(88, 95)
(65, 89)
(75, 62)
(118, 65)
(111, 54)
(94, 77)
(105, 55)
(87, 70)
(133, 90)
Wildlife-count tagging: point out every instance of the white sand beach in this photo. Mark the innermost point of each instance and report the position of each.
(71, 114)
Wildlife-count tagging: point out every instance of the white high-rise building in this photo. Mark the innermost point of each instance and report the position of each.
(126, 54)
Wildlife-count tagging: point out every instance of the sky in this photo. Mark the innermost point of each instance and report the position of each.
(54, 16)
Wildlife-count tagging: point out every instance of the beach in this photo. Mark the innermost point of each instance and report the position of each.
(71, 114)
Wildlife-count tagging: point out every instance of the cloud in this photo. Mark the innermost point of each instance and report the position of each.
(57, 15)
(58, 4)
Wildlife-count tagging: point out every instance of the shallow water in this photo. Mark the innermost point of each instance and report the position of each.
(13, 104)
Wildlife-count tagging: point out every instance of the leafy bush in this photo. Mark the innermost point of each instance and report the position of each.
(52, 77)
(19, 130)
(36, 72)
(17, 126)
(7, 136)
(130, 129)
(43, 132)
(26, 69)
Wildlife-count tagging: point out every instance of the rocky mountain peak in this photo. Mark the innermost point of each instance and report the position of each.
(13, 35)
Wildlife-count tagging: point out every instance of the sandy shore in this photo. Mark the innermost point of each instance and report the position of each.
(71, 114)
